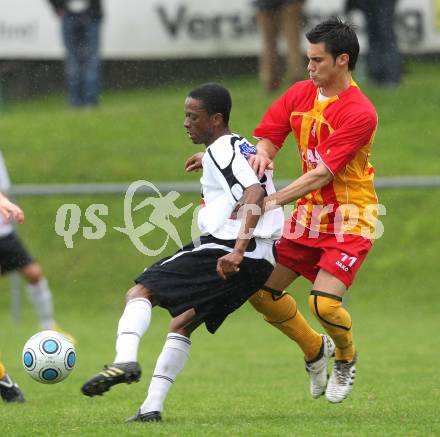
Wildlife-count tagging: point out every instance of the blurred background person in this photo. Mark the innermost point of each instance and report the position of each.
(273, 17)
(9, 390)
(384, 62)
(81, 24)
(15, 257)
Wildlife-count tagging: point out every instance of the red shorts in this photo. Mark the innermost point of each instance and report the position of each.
(306, 255)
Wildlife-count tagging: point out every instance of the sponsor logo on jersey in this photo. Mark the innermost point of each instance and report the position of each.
(247, 149)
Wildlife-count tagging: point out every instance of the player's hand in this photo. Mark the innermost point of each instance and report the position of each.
(259, 163)
(228, 264)
(194, 163)
(10, 211)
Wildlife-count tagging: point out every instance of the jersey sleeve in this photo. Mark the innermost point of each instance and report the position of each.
(343, 144)
(275, 124)
(213, 216)
(233, 172)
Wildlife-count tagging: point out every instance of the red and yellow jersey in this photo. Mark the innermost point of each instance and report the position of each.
(338, 132)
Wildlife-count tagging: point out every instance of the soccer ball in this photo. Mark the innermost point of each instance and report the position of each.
(48, 357)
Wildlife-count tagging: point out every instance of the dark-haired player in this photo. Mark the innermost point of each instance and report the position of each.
(333, 225)
(206, 280)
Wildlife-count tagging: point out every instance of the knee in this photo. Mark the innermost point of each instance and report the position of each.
(323, 306)
(139, 292)
(32, 273)
(175, 326)
(276, 309)
(328, 310)
(185, 323)
(179, 327)
(257, 300)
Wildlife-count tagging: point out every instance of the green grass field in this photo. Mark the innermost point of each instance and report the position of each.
(139, 133)
(247, 379)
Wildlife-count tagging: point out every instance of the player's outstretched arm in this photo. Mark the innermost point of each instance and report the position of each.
(194, 163)
(305, 184)
(9, 210)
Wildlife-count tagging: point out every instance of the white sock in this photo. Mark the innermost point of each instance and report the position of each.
(170, 363)
(132, 326)
(41, 298)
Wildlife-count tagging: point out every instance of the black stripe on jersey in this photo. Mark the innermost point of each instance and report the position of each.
(200, 242)
(227, 172)
(209, 239)
(235, 139)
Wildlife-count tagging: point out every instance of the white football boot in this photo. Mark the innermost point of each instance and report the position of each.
(341, 381)
(317, 369)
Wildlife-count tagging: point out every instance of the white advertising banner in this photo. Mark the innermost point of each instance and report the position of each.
(153, 29)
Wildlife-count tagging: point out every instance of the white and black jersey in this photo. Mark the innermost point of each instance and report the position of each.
(226, 174)
(6, 228)
(188, 279)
